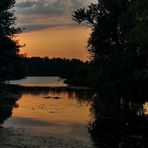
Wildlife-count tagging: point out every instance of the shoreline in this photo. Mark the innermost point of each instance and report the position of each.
(26, 138)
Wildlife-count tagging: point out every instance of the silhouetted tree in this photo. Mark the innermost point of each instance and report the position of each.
(10, 61)
(118, 42)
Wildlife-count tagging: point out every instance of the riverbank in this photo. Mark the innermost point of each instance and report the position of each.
(25, 138)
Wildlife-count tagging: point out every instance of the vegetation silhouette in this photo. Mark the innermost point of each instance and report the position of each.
(9, 46)
(119, 59)
(118, 42)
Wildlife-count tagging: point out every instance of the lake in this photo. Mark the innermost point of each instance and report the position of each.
(42, 112)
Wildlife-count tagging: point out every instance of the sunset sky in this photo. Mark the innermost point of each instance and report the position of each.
(50, 30)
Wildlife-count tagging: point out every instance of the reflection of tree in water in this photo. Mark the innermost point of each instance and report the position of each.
(82, 95)
(44, 90)
(8, 100)
(9, 94)
(118, 122)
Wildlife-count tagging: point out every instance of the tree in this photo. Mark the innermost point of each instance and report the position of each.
(10, 60)
(118, 42)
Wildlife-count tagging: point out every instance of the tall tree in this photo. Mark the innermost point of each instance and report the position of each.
(118, 42)
(9, 47)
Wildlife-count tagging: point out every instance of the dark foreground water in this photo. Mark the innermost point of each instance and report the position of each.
(72, 117)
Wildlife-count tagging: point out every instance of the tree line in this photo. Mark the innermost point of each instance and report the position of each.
(69, 69)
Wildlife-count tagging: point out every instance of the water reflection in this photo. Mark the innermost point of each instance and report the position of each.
(61, 111)
(7, 103)
(82, 95)
(118, 121)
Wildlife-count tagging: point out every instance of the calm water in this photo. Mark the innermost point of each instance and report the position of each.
(102, 120)
(39, 81)
(48, 111)
(45, 113)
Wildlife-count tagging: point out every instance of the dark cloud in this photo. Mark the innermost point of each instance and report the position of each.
(26, 4)
(46, 7)
(28, 28)
(49, 13)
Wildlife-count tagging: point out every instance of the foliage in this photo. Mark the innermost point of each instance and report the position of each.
(118, 42)
(10, 61)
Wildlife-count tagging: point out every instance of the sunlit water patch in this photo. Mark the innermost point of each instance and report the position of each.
(60, 113)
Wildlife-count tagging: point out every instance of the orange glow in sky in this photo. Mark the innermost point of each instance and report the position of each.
(56, 42)
(50, 30)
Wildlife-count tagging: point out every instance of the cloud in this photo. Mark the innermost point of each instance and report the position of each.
(26, 4)
(41, 14)
(28, 28)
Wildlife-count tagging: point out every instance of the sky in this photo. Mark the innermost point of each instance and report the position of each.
(50, 30)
